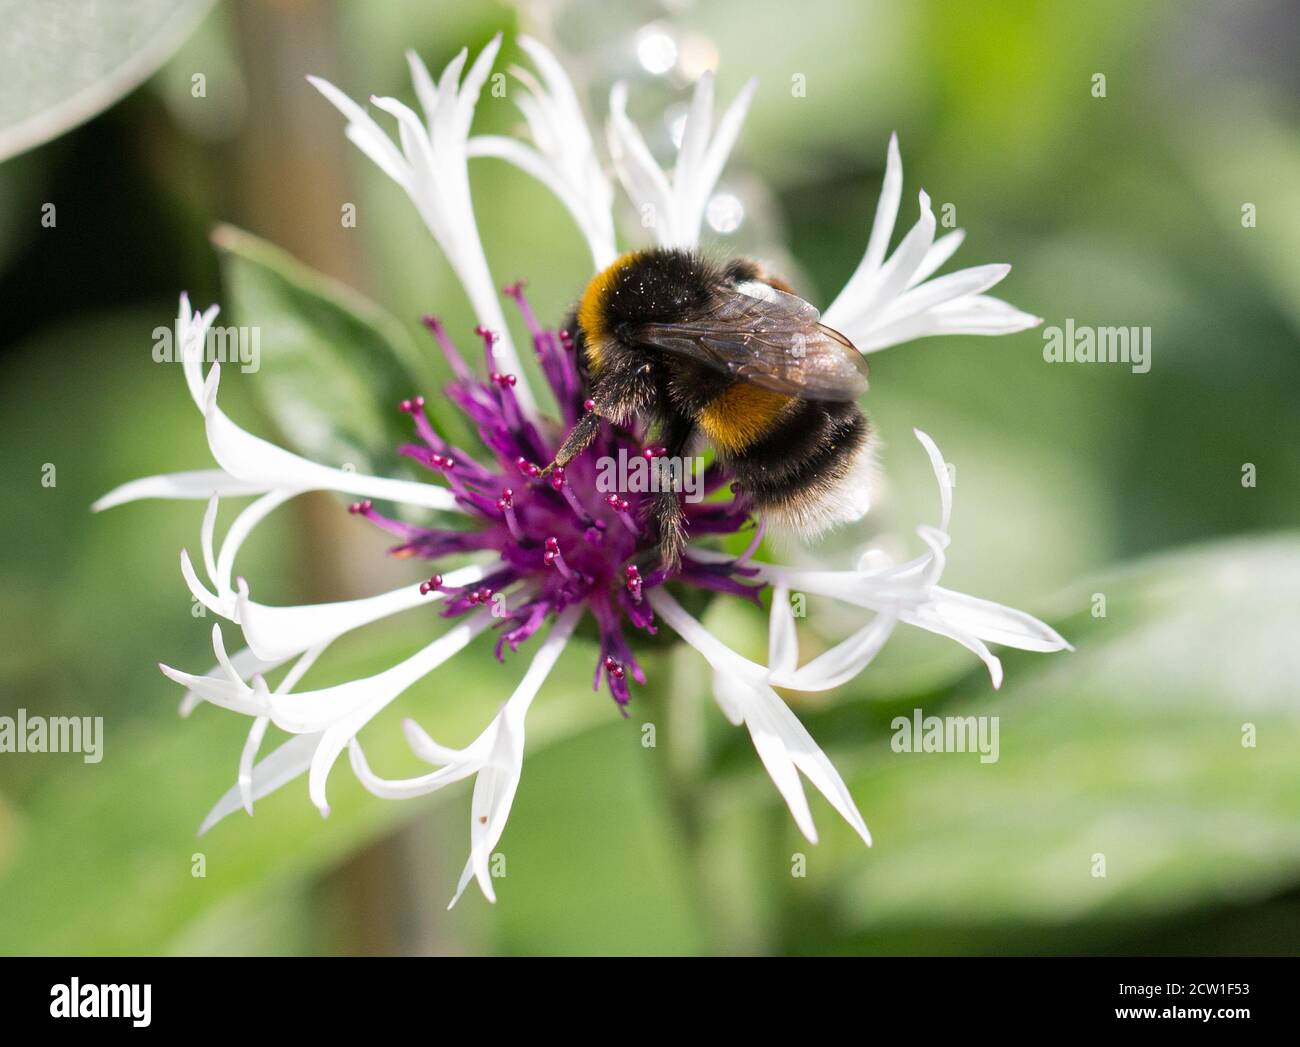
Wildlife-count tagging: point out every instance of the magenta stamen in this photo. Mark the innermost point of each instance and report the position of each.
(489, 339)
(554, 558)
(634, 581)
(516, 291)
(448, 347)
(506, 503)
(433, 585)
(588, 404)
(397, 527)
(621, 506)
(527, 468)
(415, 408)
(506, 381)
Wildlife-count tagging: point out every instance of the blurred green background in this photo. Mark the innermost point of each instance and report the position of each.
(1072, 481)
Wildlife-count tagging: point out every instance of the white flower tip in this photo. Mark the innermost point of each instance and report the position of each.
(995, 672)
(210, 386)
(324, 810)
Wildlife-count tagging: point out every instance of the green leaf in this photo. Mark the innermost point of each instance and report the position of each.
(333, 365)
(63, 61)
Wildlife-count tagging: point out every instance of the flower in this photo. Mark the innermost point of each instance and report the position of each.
(674, 205)
(550, 549)
(888, 302)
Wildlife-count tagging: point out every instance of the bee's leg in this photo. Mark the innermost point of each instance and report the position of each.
(669, 518)
(667, 507)
(576, 442)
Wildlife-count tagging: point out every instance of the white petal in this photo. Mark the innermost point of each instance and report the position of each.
(891, 195)
(246, 760)
(783, 641)
(940, 251)
(774, 727)
(258, 462)
(724, 139)
(407, 788)
(942, 476)
(842, 662)
(926, 618)
(200, 483)
(245, 663)
(866, 274)
(425, 89)
(780, 739)
(279, 632)
(239, 531)
(343, 710)
(494, 791)
(219, 690)
(944, 289)
(282, 766)
(995, 623)
(694, 134)
(641, 176)
(368, 136)
(895, 273)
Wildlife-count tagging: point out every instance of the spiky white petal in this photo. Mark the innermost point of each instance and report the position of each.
(674, 206)
(432, 166)
(785, 747)
(908, 592)
(495, 757)
(562, 156)
(886, 302)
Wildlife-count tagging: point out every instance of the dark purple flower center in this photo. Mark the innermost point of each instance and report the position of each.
(560, 535)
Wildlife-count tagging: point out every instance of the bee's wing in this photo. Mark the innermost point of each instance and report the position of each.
(770, 339)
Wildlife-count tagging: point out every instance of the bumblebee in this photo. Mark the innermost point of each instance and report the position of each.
(727, 353)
